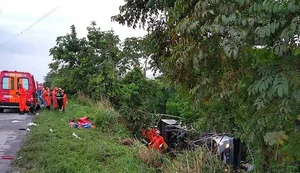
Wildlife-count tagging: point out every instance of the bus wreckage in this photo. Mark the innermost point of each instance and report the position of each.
(229, 149)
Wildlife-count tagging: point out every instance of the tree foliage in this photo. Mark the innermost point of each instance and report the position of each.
(102, 67)
(239, 60)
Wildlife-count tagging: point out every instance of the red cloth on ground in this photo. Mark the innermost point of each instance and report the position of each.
(82, 121)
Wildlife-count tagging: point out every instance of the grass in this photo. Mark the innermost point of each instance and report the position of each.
(96, 151)
(200, 160)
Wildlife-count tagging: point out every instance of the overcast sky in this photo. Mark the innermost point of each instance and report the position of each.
(30, 51)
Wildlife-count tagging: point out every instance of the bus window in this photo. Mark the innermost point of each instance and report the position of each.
(24, 82)
(8, 83)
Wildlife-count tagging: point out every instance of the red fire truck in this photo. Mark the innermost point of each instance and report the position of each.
(9, 81)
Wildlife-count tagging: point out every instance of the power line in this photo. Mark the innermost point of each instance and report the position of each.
(30, 26)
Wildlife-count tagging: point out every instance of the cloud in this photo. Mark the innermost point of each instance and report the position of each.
(30, 50)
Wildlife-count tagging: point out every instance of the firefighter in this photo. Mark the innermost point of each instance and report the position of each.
(157, 142)
(22, 99)
(59, 96)
(46, 96)
(55, 104)
(149, 133)
(65, 100)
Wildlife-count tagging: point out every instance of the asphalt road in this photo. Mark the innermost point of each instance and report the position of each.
(11, 137)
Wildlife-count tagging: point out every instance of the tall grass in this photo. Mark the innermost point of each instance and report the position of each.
(82, 99)
(200, 160)
(103, 115)
(152, 158)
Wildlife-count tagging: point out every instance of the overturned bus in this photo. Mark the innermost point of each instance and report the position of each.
(229, 149)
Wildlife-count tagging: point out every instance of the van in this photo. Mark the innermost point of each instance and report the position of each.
(9, 89)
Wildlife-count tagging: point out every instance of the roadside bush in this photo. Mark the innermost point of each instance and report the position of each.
(152, 158)
(103, 115)
(195, 161)
(83, 99)
(137, 119)
(108, 121)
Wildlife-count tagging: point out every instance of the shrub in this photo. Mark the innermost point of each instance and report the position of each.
(152, 158)
(137, 119)
(103, 115)
(107, 119)
(83, 99)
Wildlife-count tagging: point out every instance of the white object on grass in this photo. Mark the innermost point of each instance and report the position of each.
(51, 131)
(31, 124)
(75, 136)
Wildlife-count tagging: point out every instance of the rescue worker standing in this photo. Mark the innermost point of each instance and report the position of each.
(55, 104)
(65, 100)
(158, 142)
(59, 96)
(22, 99)
(46, 96)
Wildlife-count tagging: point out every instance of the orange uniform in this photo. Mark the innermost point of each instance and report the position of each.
(65, 100)
(46, 96)
(55, 104)
(149, 133)
(157, 142)
(23, 97)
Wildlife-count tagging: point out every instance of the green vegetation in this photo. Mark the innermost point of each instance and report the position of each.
(228, 66)
(96, 151)
(200, 160)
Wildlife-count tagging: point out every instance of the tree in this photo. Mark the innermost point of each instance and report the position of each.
(133, 54)
(87, 62)
(212, 49)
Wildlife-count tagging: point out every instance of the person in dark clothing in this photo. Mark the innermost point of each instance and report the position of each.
(60, 98)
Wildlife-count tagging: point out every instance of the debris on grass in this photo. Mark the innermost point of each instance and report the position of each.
(31, 124)
(75, 136)
(127, 141)
(7, 157)
(81, 123)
